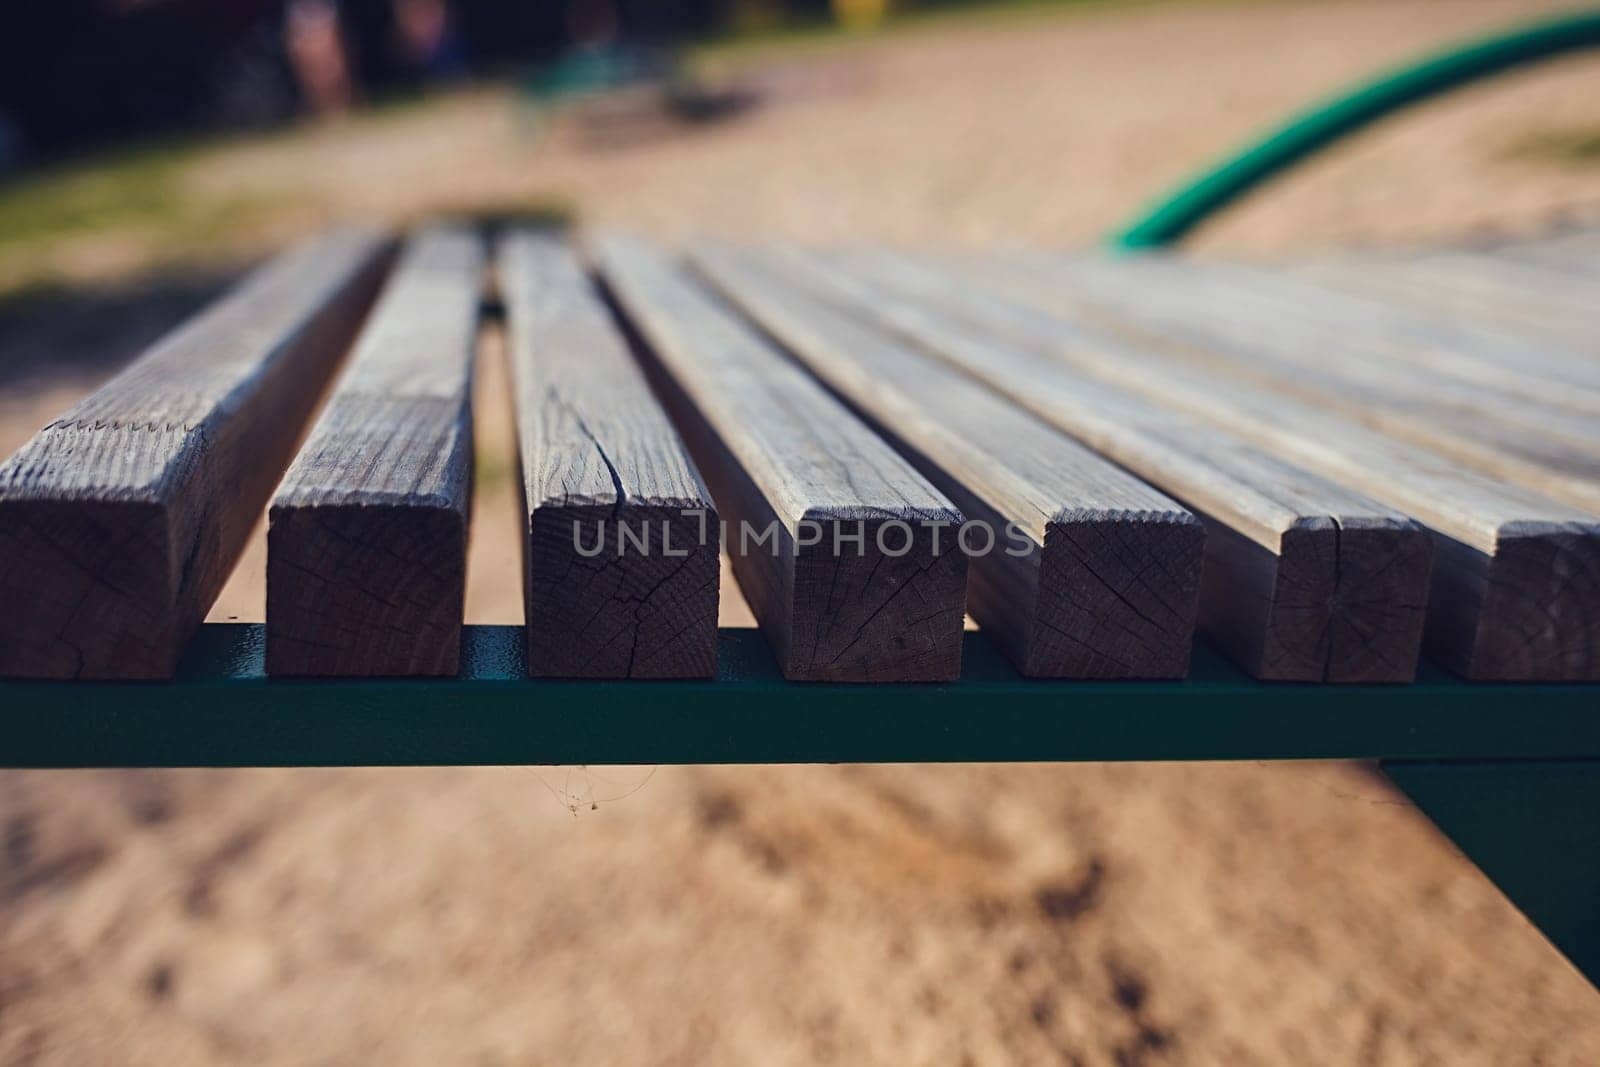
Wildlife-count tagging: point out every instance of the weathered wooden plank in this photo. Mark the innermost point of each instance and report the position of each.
(1516, 588)
(1228, 328)
(120, 521)
(367, 534)
(858, 578)
(1549, 308)
(1575, 253)
(1493, 344)
(1437, 363)
(1303, 580)
(1297, 340)
(1075, 568)
(620, 548)
(1496, 291)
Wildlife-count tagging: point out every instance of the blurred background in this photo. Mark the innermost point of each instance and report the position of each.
(150, 150)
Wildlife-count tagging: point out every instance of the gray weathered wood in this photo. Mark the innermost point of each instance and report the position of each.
(1304, 580)
(599, 456)
(1546, 306)
(1305, 342)
(367, 538)
(1078, 569)
(1430, 359)
(120, 521)
(1575, 253)
(785, 460)
(1516, 575)
(1452, 356)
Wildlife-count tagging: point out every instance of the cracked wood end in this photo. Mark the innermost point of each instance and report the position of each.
(1340, 599)
(835, 539)
(120, 521)
(620, 560)
(366, 546)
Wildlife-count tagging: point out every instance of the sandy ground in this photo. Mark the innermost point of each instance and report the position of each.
(1222, 914)
(1042, 131)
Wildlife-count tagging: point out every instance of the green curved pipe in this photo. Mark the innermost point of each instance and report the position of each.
(1182, 209)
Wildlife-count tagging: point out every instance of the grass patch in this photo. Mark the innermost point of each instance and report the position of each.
(135, 197)
(135, 187)
(65, 200)
(1575, 146)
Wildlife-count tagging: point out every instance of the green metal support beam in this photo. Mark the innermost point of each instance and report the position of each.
(1510, 772)
(1534, 828)
(222, 710)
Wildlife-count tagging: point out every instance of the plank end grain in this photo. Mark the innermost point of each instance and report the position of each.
(623, 591)
(621, 568)
(120, 521)
(1537, 614)
(1118, 595)
(1342, 600)
(877, 597)
(366, 544)
(98, 580)
(366, 589)
(1379, 607)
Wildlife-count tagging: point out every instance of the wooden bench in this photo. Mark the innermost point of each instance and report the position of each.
(1097, 459)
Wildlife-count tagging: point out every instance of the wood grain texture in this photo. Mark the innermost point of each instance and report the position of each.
(120, 521)
(1516, 576)
(367, 539)
(599, 457)
(1279, 314)
(1306, 343)
(1080, 570)
(1573, 254)
(1445, 354)
(786, 460)
(1303, 580)
(1494, 292)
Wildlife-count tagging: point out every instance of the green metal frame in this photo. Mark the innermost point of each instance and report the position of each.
(222, 710)
(1511, 772)
(1532, 826)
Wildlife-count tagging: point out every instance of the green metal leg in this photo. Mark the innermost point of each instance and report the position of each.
(1534, 828)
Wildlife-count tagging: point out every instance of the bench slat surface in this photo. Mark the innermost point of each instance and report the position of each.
(787, 462)
(1377, 337)
(1543, 435)
(367, 542)
(1576, 253)
(1102, 578)
(120, 521)
(1303, 580)
(1498, 291)
(1376, 467)
(598, 455)
(1516, 573)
